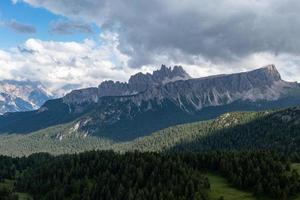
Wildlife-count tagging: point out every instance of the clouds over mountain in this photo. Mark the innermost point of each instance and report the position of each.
(58, 63)
(88, 63)
(206, 37)
(219, 31)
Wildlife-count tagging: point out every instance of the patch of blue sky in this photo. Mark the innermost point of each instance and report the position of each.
(40, 18)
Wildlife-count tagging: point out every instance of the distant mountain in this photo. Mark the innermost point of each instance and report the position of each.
(22, 95)
(149, 102)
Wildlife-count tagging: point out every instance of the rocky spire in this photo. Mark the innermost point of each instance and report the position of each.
(267, 74)
(140, 81)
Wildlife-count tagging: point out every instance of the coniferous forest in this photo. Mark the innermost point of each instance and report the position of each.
(252, 152)
(135, 175)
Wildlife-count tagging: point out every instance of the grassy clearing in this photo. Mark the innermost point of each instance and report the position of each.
(7, 183)
(220, 187)
(23, 196)
(296, 166)
(10, 184)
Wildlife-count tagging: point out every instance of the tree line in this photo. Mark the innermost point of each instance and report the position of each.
(136, 175)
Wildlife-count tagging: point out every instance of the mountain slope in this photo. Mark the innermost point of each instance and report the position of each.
(194, 94)
(159, 105)
(126, 117)
(137, 83)
(277, 130)
(22, 95)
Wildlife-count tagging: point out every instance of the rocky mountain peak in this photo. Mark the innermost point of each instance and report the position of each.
(160, 76)
(86, 95)
(22, 95)
(140, 81)
(179, 71)
(167, 74)
(268, 72)
(137, 83)
(191, 94)
(270, 67)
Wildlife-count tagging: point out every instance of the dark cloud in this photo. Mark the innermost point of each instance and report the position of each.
(26, 50)
(70, 27)
(216, 30)
(20, 27)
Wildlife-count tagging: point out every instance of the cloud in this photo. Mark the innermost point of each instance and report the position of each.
(25, 50)
(219, 31)
(62, 27)
(287, 65)
(83, 64)
(206, 37)
(59, 63)
(20, 27)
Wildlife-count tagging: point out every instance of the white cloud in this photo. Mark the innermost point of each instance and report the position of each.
(287, 65)
(216, 30)
(90, 62)
(206, 37)
(59, 63)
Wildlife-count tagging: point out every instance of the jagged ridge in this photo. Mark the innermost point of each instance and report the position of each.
(124, 117)
(137, 83)
(190, 94)
(22, 95)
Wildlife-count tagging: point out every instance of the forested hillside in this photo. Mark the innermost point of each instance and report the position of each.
(150, 102)
(109, 175)
(251, 150)
(277, 130)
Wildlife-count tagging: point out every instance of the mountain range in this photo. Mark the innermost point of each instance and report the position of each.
(22, 95)
(150, 102)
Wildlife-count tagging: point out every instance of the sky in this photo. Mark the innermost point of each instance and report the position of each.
(83, 42)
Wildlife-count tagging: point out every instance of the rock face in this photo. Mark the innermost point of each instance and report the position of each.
(137, 83)
(150, 102)
(87, 95)
(187, 93)
(194, 94)
(163, 99)
(141, 82)
(22, 95)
